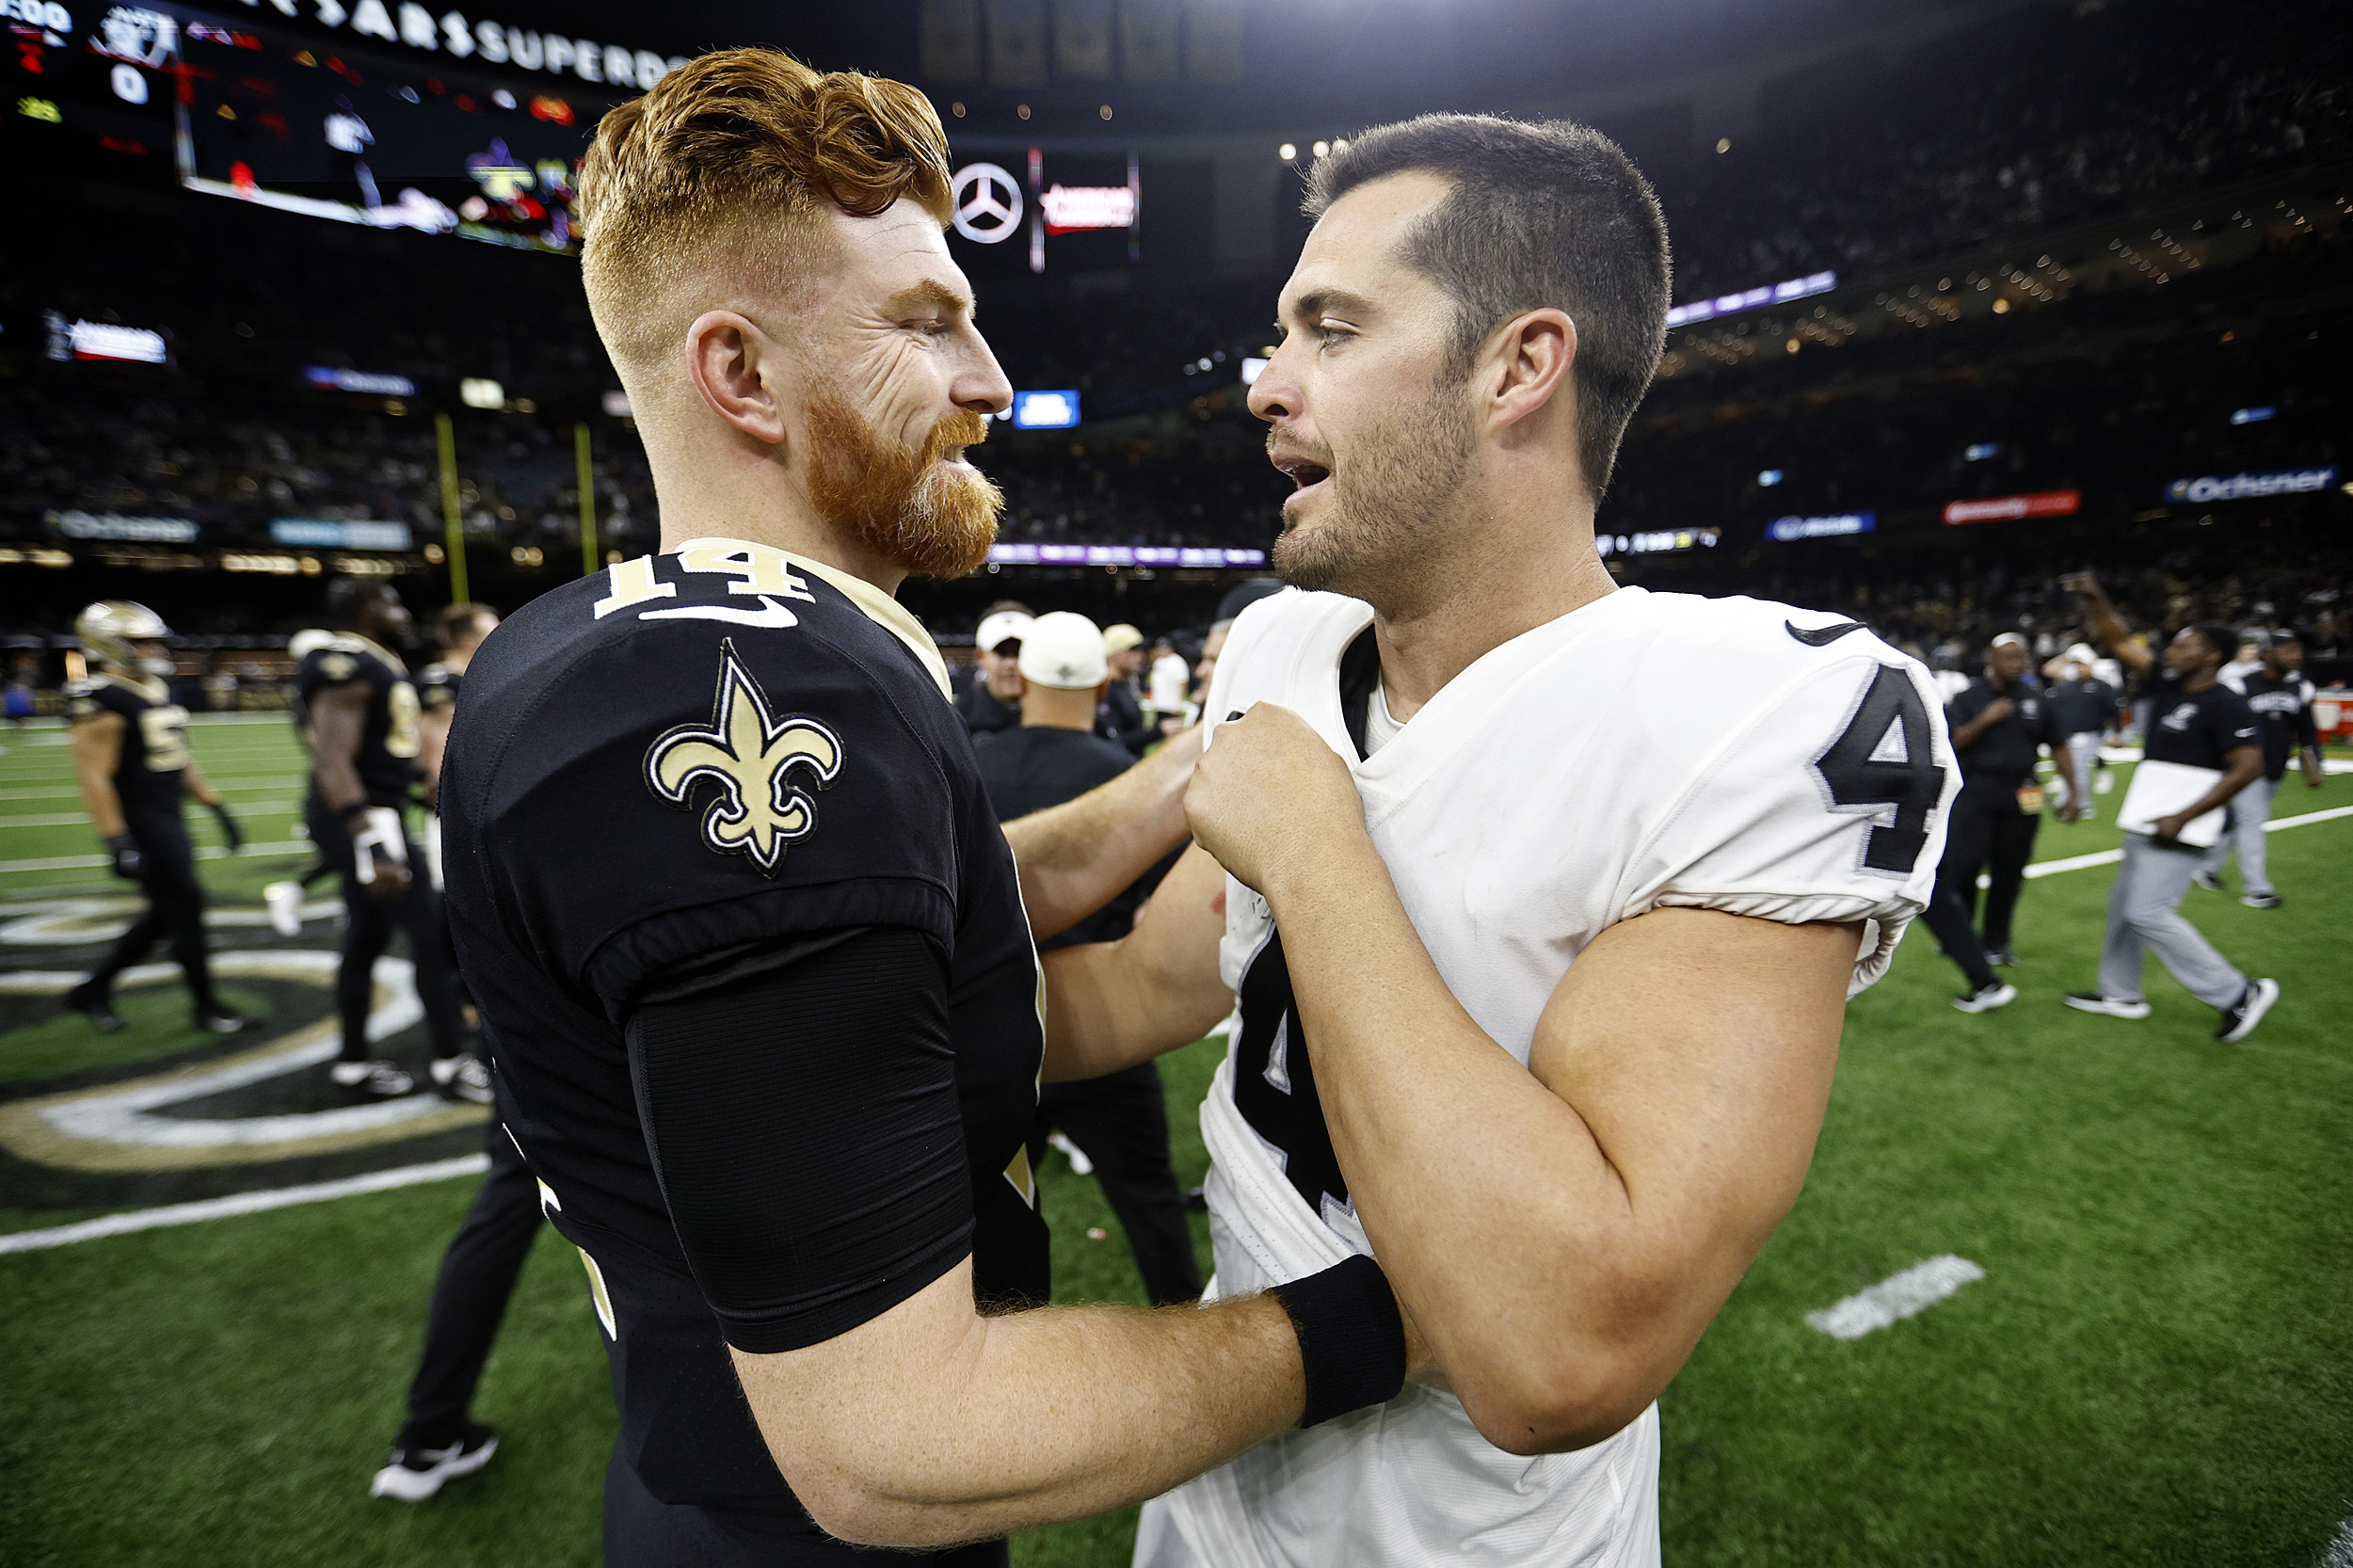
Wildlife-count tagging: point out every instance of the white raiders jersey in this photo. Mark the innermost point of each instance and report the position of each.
(1643, 751)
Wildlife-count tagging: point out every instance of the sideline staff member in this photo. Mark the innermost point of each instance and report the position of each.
(991, 700)
(1120, 1120)
(2087, 711)
(2282, 702)
(746, 937)
(2000, 726)
(2195, 721)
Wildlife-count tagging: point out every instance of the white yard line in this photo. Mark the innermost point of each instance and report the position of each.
(75, 819)
(243, 1202)
(1896, 1298)
(2110, 856)
(2340, 1551)
(90, 862)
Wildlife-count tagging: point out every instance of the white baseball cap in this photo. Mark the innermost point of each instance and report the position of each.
(1064, 650)
(1120, 638)
(1004, 626)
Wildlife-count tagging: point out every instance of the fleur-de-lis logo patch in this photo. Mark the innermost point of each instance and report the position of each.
(750, 755)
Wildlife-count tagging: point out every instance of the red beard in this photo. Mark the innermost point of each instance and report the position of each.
(903, 504)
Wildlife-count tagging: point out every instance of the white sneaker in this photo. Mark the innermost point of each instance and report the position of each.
(1080, 1163)
(284, 903)
(2115, 1007)
(462, 1076)
(413, 1475)
(1987, 998)
(382, 1081)
(2239, 1020)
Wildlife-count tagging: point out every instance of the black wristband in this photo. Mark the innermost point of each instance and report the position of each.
(1351, 1339)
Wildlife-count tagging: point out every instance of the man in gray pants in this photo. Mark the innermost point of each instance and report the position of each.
(2282, 702)
(2196, 722)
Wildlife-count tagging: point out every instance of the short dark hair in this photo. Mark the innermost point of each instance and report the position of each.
(2223, 639)
(1550, 214)
(350, 598)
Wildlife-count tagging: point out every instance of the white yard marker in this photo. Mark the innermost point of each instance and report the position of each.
(1896, 1298)
(2110, 856)
(243, 1202)
(2340, 1553)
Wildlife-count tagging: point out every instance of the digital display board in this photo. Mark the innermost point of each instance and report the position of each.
(1045, 411)
(1828, 525)
(1018, 210)
(406, 130)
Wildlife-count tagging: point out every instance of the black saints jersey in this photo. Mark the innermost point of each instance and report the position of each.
(154, 744)
(387, 762)
(721, 751)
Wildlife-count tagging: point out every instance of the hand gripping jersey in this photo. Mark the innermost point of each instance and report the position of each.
(682, 758)
(388, 738)
(1647, 750)
(155, 745)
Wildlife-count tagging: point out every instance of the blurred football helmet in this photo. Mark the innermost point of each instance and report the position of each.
(110, 627)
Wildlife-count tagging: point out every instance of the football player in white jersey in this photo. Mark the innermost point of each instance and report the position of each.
(1539, 996)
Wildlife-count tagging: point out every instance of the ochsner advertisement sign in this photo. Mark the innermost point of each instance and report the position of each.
(1828, 526)
(2248, 487)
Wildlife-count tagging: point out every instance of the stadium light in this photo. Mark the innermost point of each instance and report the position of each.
(1251, 369)
(480, 391)
(1322, 149)
(1287, 151)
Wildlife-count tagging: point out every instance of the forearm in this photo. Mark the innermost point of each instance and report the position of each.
(1075, 858)
(1112, 1004)
(1038, 1416)
(1106, 1010)
(1498, 1219)
(2245, 769)
(1965, 736)
(338, 783)
(101, 801)
(199, 786)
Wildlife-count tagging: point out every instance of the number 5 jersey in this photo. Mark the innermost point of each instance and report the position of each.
(1647, 750)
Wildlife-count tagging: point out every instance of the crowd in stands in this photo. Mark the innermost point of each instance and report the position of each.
(2033, 122)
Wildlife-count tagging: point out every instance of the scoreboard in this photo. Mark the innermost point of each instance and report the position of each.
(237, 108)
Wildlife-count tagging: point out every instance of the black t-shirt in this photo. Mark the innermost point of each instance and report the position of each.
(2003, 755)
(2085, 707)
(2198, 730)
(982, 715)
(1119, 719)
(147, 772)
(2284, 710)
(1031, 768)
(652, 774)
(387, 760)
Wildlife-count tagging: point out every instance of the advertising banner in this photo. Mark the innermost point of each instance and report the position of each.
(1828, 526)
(1119, 556)
(118, 525)
(2000, 509)
(326, 533)
(2250, 486)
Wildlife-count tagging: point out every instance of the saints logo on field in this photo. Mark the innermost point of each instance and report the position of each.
(750, 755)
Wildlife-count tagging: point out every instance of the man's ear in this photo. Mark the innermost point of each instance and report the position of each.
(734, 365)
(1529, 364)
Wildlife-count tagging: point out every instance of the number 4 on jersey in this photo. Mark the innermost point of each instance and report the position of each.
(1886, 757)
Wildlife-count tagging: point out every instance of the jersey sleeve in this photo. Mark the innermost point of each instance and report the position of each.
(2230, 723)
(683, 792)
(805, 1129)
(1827, 805)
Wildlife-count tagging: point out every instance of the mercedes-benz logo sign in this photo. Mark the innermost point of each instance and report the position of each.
(987, 201)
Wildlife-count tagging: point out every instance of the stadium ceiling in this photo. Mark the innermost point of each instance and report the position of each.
(1278, 65)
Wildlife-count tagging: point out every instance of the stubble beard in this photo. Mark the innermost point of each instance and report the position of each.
(1386, 520)
(903, 502)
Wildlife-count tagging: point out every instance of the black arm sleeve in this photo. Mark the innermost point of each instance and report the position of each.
(800, 1105)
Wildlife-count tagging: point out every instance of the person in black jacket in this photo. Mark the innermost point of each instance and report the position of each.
(1999, 724)
(991, 699)
(1119, 1120)
(1119, 717)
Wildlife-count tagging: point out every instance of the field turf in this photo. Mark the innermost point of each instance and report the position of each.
(2153, 1371)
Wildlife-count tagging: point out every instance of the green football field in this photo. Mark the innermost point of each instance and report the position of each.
(2152, 1371)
